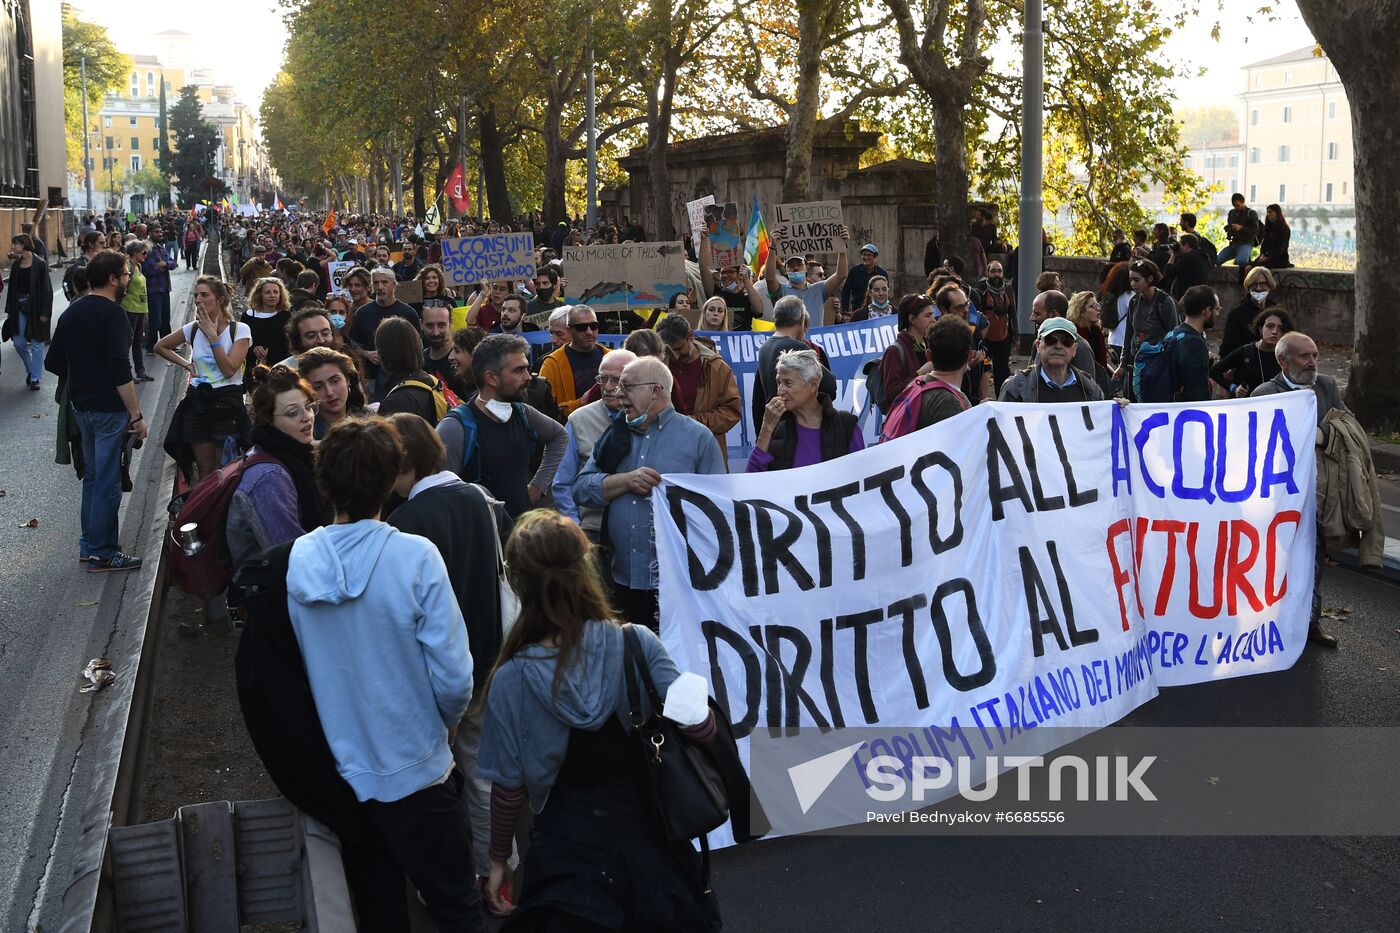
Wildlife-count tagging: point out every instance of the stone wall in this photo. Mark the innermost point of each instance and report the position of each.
(1322, 303)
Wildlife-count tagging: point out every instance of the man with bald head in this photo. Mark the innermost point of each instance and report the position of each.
(585, 426)
(649, 439)
(1297, 359)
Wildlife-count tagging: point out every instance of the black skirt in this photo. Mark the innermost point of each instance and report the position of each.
(207, 415)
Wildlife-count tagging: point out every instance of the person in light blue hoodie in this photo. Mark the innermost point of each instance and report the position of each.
(386, 655)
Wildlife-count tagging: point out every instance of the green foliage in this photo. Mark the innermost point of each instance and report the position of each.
(106, 71)
(1207, 126)
(196, 142)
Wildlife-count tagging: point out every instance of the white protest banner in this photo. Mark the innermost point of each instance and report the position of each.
(807, 228)
(1013, 567)
(496, 258)
(695, 211)
(337, 272)
(617, 276)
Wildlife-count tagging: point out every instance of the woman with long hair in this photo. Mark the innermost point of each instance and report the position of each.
(1273, 248)
(1114, 297)
(277, 500)
(212, 410)
(333, 378)
(556, 734)
(28, 308)
(1084, 314)
(714, 314)
(436, 293)
(877, 300)
(1151, 313)
(1243, 369)
(269, 310)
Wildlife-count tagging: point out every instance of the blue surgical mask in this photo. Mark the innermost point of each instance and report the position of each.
(879, 304)
(641, 419)
(729, 286)
(797, 278)
(337, 321)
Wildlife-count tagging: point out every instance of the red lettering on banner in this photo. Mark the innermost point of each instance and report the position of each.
(1164, 592)
(1236, 581)
(1199, 609)
(1120, 573)
(1292, 516)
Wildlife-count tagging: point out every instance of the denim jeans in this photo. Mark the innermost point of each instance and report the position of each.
(103, 433)
(31, 352)
(158, 320)
(1240, 253)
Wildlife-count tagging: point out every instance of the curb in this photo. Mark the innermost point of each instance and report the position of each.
(1385, 456)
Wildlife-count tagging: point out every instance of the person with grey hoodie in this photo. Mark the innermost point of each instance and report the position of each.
(556, 735)
(385, 649)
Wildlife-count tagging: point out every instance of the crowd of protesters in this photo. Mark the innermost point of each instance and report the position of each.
(401, 453)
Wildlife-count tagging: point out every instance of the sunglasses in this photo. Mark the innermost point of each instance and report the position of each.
(1058, 337)
(586, 325)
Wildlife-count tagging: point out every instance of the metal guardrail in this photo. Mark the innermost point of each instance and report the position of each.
(120, 734)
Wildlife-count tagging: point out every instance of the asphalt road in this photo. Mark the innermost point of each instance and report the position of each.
(1101, 883)
(53, 618)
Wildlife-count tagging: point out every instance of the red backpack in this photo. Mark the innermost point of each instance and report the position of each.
(904, 412)
(208, 569)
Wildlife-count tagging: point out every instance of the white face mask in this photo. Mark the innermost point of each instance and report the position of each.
(500, 410)
(1259, 297)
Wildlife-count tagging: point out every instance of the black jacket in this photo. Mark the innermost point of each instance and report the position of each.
(1273, 251)
(39, 320)
(1248, 219)
(837, 427)
(1239, 322)
(457, 518)
(276, 699)
(1190, 269)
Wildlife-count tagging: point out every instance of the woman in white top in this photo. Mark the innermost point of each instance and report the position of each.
(212, 410)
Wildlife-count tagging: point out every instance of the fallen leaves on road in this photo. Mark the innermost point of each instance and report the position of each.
(88, 602)
(32, 523)
(1212, 781)
(98, 674)
(3, 493)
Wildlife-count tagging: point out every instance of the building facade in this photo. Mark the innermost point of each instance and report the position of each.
(126, 137)
(1221, 167)
(1297, 132)
(33, 148)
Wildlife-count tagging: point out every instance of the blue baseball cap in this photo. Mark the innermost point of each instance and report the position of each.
(870, 248)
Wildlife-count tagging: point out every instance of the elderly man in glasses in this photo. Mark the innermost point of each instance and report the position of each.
(648, 440)
(584, 427)
(572, 369)
(1052, 378)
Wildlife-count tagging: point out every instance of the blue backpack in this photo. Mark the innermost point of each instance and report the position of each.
(465, 415)
(1154, 378)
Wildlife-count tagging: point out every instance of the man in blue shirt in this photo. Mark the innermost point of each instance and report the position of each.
(650, 440)
(853, 292)
(584, 427)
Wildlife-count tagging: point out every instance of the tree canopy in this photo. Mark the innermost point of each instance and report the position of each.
(106, 71)
(196, 142)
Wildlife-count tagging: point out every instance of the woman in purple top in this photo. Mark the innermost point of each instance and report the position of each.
(800, 426)
(276, 501)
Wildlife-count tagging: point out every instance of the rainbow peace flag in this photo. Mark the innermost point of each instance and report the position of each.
(756, 242)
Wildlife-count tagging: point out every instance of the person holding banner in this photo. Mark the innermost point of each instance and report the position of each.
(652, 439)
(814, 294)
(584, 429)
(800, 425)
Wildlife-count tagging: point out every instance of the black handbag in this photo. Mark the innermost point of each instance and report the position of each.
(683, 782)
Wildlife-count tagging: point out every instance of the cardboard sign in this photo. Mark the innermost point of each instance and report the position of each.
(617, 276)
(695, 210)
(807, 228)
(497, 258)
(726, 235)
(337, 272)
(410, 292)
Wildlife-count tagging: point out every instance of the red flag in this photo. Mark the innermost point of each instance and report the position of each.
(457, 190)
(329, 225)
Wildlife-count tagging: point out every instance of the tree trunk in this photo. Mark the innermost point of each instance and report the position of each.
(662, 224)
(420, 206)
(1367, 69)
(950, 173)
(493, 167)
(802, 122)
(556, 162)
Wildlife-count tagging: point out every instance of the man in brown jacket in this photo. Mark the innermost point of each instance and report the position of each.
(705, 387)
